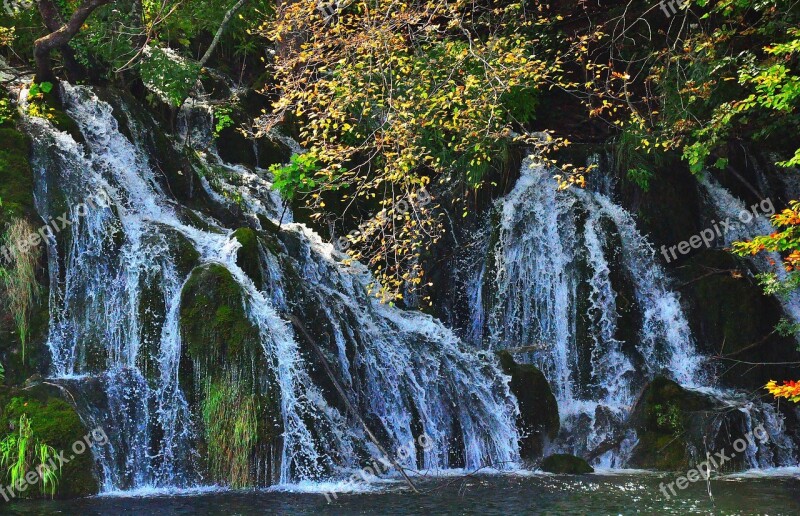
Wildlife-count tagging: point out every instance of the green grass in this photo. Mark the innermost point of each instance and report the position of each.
(21, 452)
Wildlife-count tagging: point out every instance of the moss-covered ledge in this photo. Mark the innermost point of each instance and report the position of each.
(55, 423)
(17, 204)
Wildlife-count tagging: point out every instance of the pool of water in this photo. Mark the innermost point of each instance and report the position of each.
(600, 493)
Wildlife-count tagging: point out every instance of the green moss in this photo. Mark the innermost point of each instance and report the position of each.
(562, 463)
(56, 423)
(228, 379)
(538, 419)
(16, 201)
(16, 176)
(214, 324)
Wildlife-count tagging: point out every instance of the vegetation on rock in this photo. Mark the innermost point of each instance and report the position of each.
(37, 424)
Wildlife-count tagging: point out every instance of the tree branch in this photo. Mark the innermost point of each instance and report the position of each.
(60, 37)
(220, 31)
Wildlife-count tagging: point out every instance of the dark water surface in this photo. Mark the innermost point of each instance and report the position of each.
(620, 493)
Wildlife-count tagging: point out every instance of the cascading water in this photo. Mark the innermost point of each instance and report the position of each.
(115, 338)
(744, 223)
(575, 289)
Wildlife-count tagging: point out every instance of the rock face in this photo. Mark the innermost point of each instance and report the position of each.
(248, 256)
(228, 381)
(566, 464)
(54, 423)
(733, 318)
(538, 420)
(676, 427)
(17, 204)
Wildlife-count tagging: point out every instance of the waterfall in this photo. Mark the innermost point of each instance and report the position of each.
(576, 287)
(115, 340)
(729, 208)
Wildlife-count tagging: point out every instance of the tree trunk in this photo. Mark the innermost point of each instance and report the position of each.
(60, 37)
(53, 21)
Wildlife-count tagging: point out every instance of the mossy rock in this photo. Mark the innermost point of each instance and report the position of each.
(271, 152)
(248, 256)
(562, 463)
(56, 423)
(233, 146)
(676, 426)
(16, 176)
(228, 381)
(52, 107)
(16, 195)
(660, 419)
(214, 325)
(538, 420)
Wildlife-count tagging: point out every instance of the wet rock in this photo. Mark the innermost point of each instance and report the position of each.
(676, 427)
(563, 463)
(16, 202)
(248, 257)
(538, 420)
(731, 317)
(228, 381)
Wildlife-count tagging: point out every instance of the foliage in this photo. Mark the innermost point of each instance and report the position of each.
(789, 390)
(37, 103)
(20, 287)
(37, 90)
(296, 177)
(786, 241)
(178, 23)
(168, 75)
(21, 452)
(231, 429)
(6, 111)
(637, 154)
(222, 119)
(119, 35)
(669, 418)
(426, 91)
(6, 36)
(727, 72)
